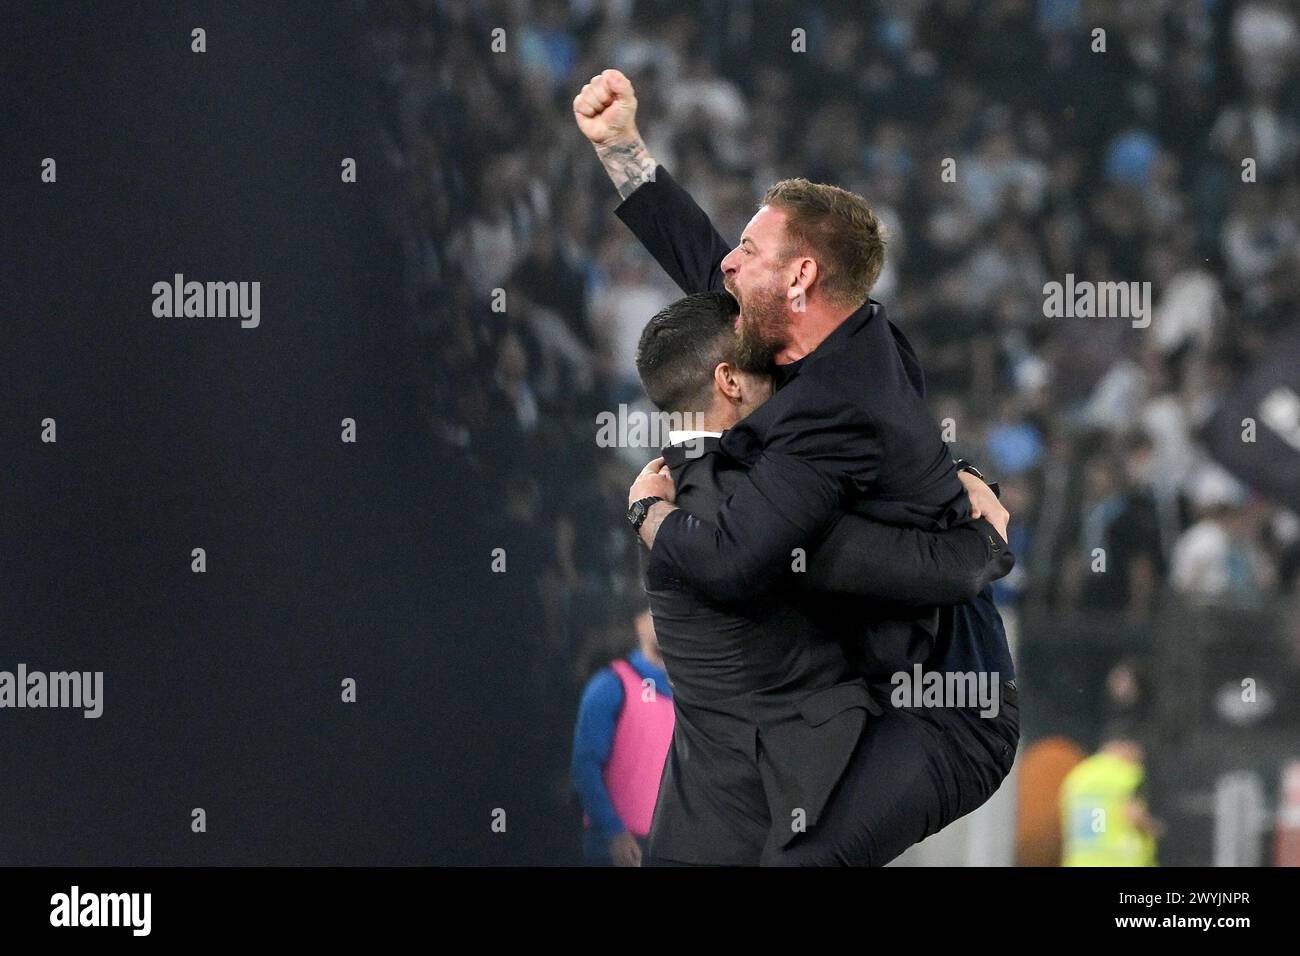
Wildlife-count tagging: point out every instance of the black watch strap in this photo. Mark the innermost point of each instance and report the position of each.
(963, 465)
(636, 514)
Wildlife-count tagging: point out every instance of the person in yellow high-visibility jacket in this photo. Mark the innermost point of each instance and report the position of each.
(1104, 819)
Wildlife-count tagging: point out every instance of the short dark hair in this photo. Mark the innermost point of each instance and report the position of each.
(681, 346)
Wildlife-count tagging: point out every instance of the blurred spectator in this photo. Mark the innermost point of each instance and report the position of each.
(625, 724)
(1104, 817)
(1119, 517)
(1217, 557)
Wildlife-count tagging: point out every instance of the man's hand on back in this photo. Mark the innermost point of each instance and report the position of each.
(655, 481)
(605, 110)
(984, 503)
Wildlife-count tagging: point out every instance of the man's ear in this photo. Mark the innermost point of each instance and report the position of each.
(803, 280)
(726, 381)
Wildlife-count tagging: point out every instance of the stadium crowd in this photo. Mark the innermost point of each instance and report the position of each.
(1163, 149)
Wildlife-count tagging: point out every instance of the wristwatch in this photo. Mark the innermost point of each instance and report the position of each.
(640, 508)
(963, 465)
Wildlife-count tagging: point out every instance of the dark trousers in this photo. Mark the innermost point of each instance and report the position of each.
(914, 771)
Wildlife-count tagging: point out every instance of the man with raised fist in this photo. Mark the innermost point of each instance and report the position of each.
(606, 114)
(846, 431)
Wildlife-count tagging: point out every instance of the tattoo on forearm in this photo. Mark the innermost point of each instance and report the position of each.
(628, 164)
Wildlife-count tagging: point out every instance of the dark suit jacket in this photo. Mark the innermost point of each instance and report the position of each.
(768, 709)
(847, 430)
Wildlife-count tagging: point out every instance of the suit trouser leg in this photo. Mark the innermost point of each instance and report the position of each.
(914, 771)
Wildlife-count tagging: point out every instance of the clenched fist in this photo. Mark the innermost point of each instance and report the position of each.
(606, 110)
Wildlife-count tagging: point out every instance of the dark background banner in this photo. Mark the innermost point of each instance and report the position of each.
(325, 560)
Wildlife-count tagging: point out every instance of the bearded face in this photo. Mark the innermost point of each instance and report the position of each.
(758, 274)
(763, 328)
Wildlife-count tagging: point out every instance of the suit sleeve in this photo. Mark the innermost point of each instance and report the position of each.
(812, 457)
(667, 221)
(866, 558)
